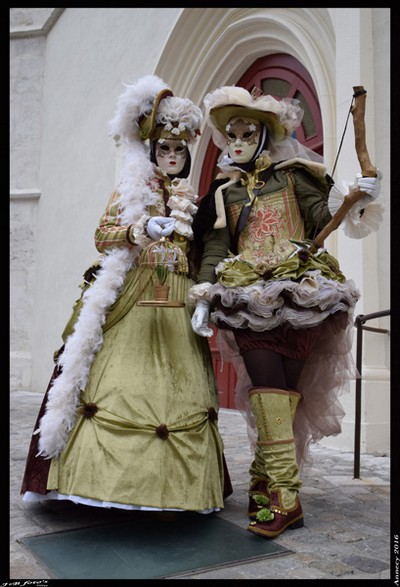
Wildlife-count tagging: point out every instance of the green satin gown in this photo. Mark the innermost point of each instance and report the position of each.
(146, 435)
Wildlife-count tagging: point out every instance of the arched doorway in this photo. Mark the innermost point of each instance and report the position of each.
(281, 76)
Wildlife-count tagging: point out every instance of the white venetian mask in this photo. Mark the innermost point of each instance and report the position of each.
(171, 155)
(243, 136)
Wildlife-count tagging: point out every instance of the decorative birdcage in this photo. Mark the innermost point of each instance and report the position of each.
(162, 270)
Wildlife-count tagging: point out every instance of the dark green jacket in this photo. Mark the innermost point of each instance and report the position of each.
(213, 245)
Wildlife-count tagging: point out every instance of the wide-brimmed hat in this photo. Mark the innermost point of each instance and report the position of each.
(281, 117)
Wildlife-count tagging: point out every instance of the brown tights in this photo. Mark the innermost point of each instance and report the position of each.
(269, 369)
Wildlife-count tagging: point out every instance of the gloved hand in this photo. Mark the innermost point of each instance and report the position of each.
(200, 319)
(370, 185)
(159, 226)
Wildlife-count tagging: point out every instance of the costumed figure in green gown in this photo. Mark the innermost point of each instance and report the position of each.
(130, 416)
(283, 309)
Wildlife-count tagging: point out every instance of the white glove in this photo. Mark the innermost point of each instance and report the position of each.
(370, 185)
(200, 319)
(159, 226)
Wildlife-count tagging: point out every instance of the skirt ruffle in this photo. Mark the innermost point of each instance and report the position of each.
(265, 305)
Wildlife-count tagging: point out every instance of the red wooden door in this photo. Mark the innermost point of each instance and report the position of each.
(281, 76)
(225, 375)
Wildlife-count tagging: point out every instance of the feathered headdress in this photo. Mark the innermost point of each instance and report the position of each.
(148, 109)
(135, 103)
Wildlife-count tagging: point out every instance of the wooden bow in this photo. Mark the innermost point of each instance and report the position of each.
(367, 169)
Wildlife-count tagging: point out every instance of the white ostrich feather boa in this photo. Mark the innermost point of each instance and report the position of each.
(87, 337)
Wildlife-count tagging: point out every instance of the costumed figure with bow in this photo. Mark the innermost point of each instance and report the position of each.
(283, 308)
(130, 416)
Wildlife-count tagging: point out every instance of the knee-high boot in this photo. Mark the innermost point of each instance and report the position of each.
(276, 447)
(258, 492)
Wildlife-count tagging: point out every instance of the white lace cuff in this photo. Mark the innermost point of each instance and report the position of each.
(359, 223)
(139, 231)
(363, 218)
(200, 291)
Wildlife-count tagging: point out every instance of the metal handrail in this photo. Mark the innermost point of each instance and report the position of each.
(359, 324)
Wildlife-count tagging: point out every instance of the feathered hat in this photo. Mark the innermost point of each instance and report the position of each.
(281, 117)
(145, 111)
(148, 109)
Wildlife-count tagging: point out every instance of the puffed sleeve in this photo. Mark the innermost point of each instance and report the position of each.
(110, 232)
(312, 192)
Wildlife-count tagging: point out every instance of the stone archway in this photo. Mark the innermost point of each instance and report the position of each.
(228, 41)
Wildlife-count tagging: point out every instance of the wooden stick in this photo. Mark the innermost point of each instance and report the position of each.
(335, 221)
(367, 169)
(358, 112)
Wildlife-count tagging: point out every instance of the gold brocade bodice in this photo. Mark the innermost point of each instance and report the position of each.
(274, 220)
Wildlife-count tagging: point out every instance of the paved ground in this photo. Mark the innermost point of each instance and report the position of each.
(347, 533)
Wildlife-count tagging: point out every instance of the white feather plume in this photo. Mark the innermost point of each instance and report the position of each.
(134, 102)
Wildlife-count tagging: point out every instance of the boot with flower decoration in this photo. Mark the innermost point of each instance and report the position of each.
(273, 414)
(259, 492)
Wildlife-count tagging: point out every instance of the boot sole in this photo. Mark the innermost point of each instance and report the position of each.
(294, 525)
